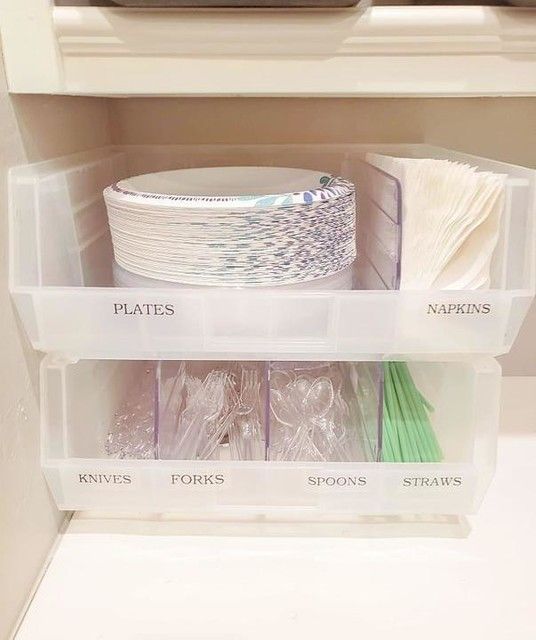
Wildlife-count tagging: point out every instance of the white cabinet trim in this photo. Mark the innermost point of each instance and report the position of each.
(386, 50)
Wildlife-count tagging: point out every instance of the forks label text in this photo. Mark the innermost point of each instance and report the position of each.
(198, 479)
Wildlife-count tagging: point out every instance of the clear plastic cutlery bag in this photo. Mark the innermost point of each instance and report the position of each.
(212, 411)
(131, 432)
(323, 412)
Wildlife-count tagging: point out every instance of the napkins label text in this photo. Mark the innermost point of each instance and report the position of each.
(463, 308)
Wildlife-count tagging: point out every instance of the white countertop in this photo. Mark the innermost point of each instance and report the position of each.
(155, 579)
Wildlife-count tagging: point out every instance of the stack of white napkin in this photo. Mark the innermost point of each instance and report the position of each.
(451, 216)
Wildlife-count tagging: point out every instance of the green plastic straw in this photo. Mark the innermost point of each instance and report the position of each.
(387, 446)
(408, 435)
(411, 406)
(422, 408)
(398, 413)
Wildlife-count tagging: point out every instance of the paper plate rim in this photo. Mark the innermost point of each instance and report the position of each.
(335, 186)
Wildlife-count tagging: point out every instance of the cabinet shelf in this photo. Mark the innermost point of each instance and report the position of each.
(378, 51)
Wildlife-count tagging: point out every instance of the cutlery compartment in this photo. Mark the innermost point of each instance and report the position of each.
(110, 431)
(70, 301)
(211, 410)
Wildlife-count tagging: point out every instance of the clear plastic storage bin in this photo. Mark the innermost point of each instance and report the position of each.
(61, 270)
(82, 401)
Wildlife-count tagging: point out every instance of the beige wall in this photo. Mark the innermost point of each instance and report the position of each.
(500, 128)
(29, 521)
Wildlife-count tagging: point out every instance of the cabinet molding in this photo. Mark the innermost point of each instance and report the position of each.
(386, 50)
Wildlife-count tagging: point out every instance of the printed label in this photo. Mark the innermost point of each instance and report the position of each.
(197, 479)
(458, 309)
(432, 481)
(338, 482)
(104, 478)
(146, 309)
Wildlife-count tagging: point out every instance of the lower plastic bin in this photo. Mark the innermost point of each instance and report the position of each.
(109, 429)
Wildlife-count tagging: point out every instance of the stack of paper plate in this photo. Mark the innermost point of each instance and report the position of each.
(233, 226)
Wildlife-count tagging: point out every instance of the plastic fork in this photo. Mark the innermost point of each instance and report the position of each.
(246, 431)
(203, 406)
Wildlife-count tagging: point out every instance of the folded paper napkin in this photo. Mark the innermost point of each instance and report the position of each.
(451, 217)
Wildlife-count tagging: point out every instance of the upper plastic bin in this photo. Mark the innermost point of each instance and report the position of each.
(62, 277)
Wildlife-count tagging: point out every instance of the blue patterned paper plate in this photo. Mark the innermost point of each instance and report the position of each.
(227, 187)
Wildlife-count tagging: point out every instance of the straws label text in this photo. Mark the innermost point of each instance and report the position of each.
(433, 481)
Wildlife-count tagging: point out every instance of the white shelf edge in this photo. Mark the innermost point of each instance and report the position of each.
(386, 30)
(380, 51)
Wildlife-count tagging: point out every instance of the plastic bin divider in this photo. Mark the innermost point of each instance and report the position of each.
(381, 391)
(157, 383)
(366, 380)
(267, 410)
(380, 222)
